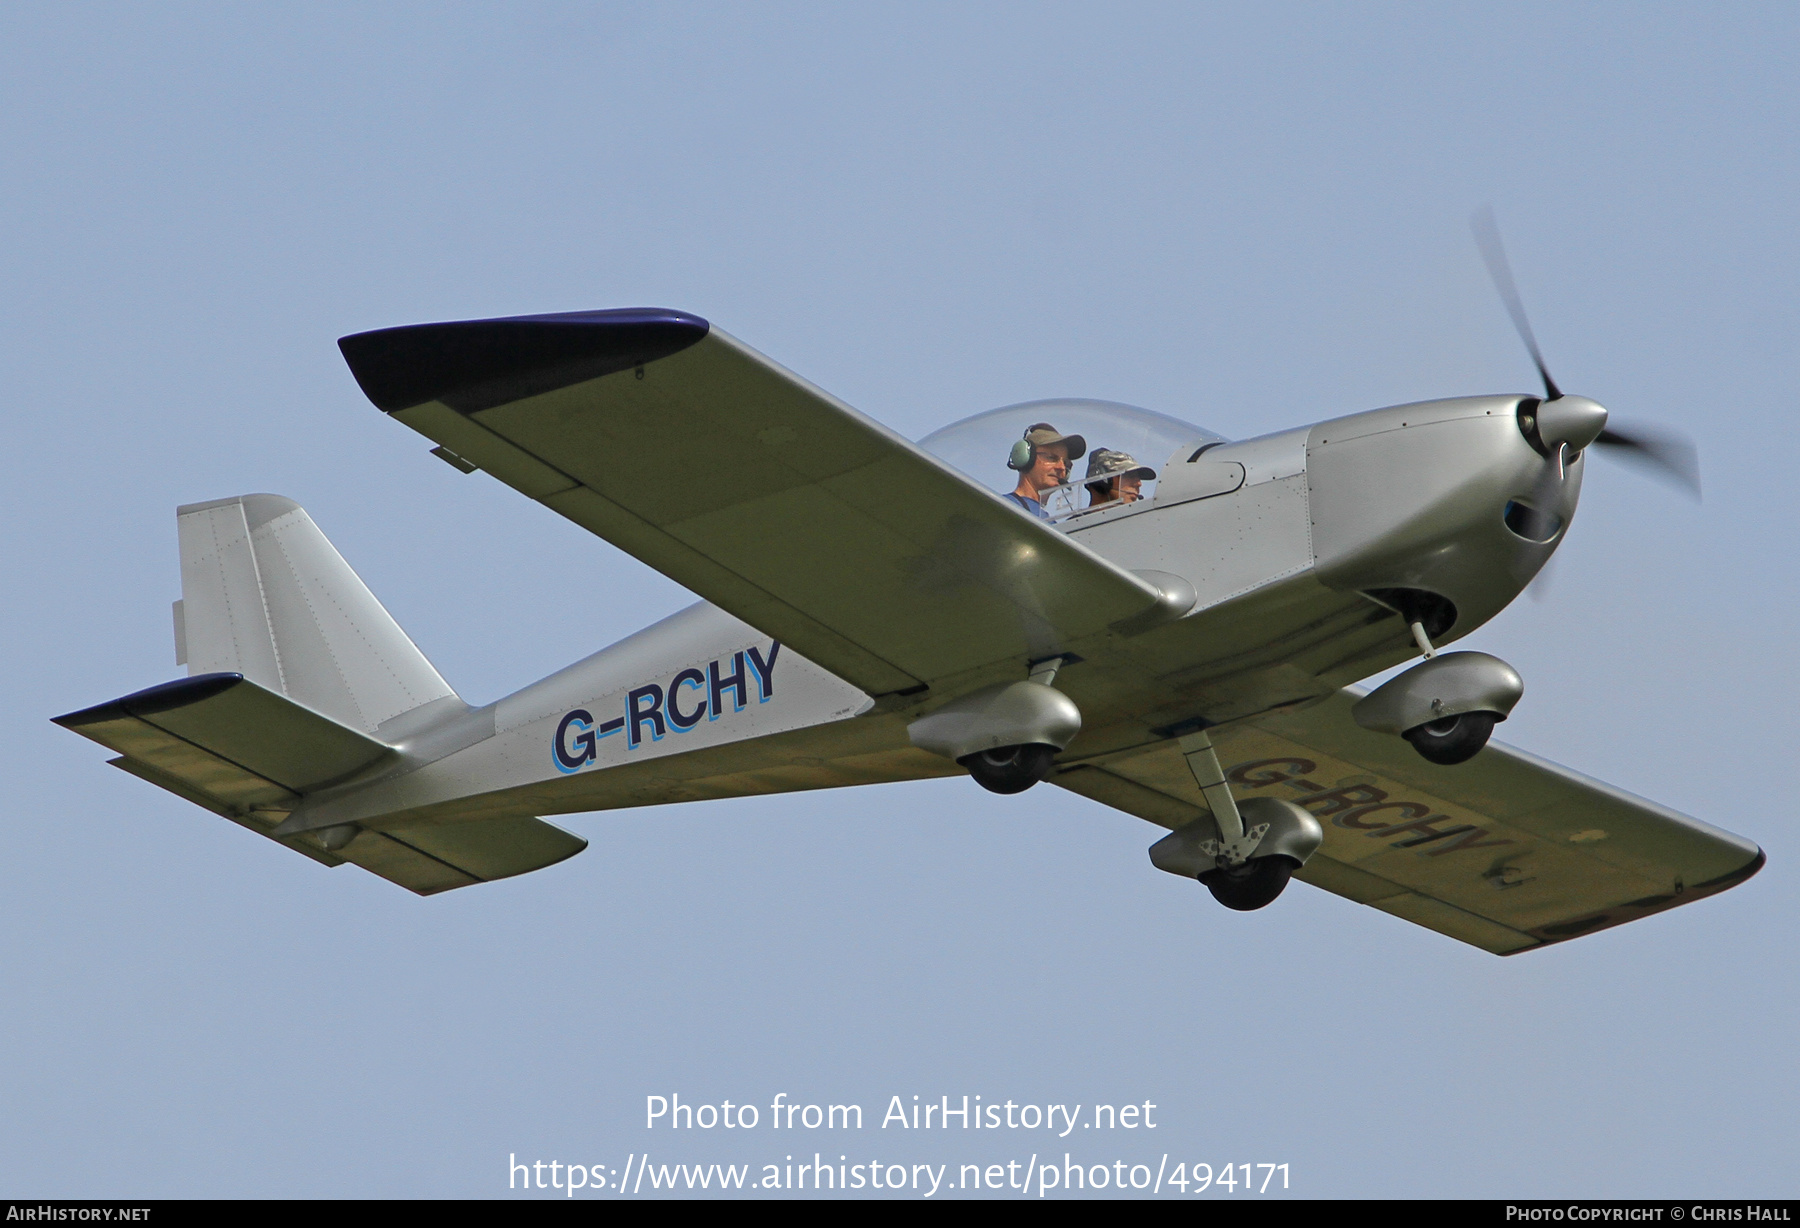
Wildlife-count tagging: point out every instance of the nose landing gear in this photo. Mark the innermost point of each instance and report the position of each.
(1446, 706)
(1454, 739)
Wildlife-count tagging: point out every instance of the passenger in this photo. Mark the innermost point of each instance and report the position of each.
(1115, 477)
(1042, 458)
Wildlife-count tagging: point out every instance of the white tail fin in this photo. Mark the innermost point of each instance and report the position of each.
(265, 595)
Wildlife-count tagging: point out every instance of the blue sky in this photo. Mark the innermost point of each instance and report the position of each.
(1248, 216)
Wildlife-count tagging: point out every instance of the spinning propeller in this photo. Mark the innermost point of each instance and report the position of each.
(1561, 426)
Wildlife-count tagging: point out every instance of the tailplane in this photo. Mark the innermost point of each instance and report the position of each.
(297, 676)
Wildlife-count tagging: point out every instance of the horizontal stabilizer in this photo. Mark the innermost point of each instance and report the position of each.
(433, 857)
(244, 752)
(229, 738)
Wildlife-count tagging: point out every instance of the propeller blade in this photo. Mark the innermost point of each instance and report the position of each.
(1487, 238)
(1663, 453)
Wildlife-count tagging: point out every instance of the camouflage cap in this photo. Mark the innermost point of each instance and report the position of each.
(1042, 434)
(1105, 464)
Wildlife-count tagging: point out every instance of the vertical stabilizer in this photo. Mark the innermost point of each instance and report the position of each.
(265, 595)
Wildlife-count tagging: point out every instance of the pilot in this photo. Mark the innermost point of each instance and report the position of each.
(1115, 477)
(1042, 459)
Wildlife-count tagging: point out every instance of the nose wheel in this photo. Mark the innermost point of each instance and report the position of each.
(1455, 739)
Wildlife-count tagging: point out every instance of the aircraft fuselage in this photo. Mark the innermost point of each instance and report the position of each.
(1412, 498)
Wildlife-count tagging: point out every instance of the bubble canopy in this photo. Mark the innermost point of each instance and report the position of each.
(979, 445)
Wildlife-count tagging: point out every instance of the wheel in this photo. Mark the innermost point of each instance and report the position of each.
(1455, 739)
(1253, 885)
(1010, 769)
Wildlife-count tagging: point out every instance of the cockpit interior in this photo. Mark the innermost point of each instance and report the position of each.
(980, 447)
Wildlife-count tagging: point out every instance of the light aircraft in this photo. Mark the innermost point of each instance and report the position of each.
(872, 610)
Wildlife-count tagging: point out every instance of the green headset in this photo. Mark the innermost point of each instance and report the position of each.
(1024, 453)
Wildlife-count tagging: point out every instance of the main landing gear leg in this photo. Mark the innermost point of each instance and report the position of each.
(1229, 863)
(1238, 879)
(1234, 843)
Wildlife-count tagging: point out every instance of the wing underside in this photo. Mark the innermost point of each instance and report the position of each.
(1506, 852)
(756, 490)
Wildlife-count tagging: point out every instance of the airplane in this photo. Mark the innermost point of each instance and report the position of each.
(876, 610)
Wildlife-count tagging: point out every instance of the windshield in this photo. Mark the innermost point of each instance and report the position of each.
(979, 445)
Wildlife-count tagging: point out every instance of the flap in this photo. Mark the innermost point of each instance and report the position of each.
(758, 491)
(1506, 852)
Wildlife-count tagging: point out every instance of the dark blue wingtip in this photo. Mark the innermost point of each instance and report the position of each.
(473, 365)
(163, 697)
